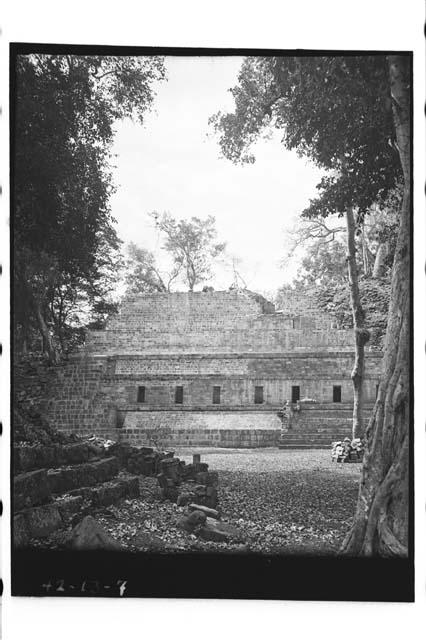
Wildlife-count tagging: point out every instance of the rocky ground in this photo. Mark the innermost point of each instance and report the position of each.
(281, 501)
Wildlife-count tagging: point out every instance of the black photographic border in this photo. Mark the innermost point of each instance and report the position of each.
(36, 572)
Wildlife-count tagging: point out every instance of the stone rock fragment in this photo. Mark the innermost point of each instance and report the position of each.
(210, 513)
(75, 453)
(20, 531)
(31, 489)
(170, 468)
(193, 520)
(42, 521)
(69, 506)
(88, 535)
(183, 499)
(216, 531)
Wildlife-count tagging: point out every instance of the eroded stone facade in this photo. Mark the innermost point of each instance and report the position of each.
(208, 367)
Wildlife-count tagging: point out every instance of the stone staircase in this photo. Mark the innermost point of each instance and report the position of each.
(55, 483)
(317, 426)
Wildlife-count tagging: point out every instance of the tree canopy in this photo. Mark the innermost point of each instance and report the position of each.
(191, 244)
(66, 250)
(335, 110)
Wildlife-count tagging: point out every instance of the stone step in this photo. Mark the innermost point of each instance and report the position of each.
(83, 475)
(303, 446)
(31, 488)
(41, 521)
(109, 492)
(318, 436)
(27, 458)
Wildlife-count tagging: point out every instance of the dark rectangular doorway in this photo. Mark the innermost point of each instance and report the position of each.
(337, 393)
(179, 395)
(295, 394)
(141, 394)
(258, 395)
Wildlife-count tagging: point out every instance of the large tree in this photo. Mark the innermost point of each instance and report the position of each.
(191, 244)
(351, 116)
(143, 273)
(66, 251)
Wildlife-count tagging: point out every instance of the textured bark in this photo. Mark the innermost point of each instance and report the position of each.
(379, 262)
(360, 332)
(382, 514)
(366, 255)
(48, 346)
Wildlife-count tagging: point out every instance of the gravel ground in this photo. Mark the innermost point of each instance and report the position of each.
(282, 501)
(291, 501)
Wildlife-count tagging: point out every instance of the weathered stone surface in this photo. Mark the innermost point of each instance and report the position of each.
(109, 492)
(38, 457)
(30, 489)
(146, 451)
(170, 468)
(141, 464)
(207, 497)
(162, 480)
(82, 475)
(183, 499)
(88, 535)
(217, 531)
(20, 531)
(200, 489)
(210, 513)
(41, 521)
(75, 453)
(133, 488)
(209, 478)
(16, 460)
(84, 492)
(187, 471)
(122, 451)
(193, 521)
(56, 481)
(165, 336)
(201, 467)
(50, 456)
(69, 506)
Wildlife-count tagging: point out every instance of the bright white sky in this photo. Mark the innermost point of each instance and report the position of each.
(169, 164)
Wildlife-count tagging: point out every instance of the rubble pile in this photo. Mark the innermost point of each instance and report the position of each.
(347, 450)
(57, 484)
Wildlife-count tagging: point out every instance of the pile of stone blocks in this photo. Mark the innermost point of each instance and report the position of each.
(54, 484)
(188, 483)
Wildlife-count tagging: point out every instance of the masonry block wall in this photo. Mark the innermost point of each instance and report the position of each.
(209, 367)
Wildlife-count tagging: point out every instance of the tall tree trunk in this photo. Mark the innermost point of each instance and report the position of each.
(361, 334)
(379, 262)
(44, 330)
(48, 346)
(381, 520)
(365, 254)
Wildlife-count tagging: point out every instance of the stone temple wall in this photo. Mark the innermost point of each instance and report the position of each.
(198, 341)
(223, 322)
